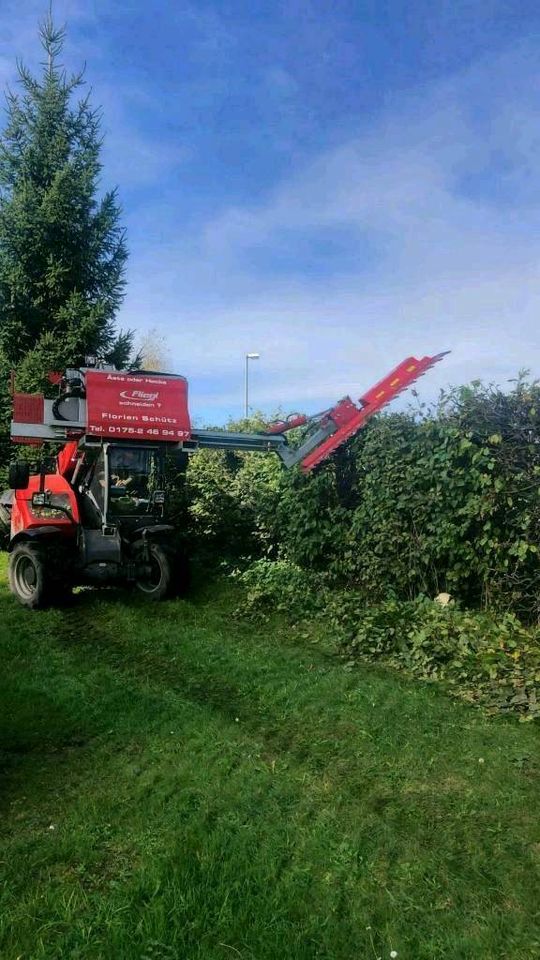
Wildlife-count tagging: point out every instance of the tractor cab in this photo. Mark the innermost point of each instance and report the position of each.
(124, 485)
(122, 536)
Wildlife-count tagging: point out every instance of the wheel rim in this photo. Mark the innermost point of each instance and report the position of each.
(152, 579)
(25, 577)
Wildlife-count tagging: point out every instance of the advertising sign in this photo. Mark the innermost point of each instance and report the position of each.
(137, 406)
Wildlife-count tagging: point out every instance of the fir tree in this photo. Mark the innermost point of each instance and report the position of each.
(62, 247)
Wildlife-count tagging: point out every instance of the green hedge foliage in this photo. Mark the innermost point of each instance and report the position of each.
(492, 659)
(443, 499)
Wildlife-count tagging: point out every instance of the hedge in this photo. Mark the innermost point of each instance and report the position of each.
(439, 499)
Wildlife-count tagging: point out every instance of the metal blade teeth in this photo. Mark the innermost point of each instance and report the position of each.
(433, 360)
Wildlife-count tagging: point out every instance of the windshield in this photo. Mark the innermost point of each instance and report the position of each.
(133, 478)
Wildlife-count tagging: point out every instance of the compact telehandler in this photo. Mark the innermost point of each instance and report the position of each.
(96, 514)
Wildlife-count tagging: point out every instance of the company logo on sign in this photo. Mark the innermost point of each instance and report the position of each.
(138, 395)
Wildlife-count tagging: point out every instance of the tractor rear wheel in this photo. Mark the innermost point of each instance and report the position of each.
(29, 579)
(155, 575)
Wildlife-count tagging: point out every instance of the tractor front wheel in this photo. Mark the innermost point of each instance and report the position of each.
(29, 579)
(154, 578)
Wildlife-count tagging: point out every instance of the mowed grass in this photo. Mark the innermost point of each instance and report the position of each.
(179, 785)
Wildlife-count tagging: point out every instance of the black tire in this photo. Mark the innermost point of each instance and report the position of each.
(29, 578)
(156, 580)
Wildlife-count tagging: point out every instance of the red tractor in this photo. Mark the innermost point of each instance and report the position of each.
(95, 515)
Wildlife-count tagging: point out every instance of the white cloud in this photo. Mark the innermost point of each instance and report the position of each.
(457, 264)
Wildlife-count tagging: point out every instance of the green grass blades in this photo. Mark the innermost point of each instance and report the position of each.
(179, 785)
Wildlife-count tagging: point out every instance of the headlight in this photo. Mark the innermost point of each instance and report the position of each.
(41, 499)
(50, 506)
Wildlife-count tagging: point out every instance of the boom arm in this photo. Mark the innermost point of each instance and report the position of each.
(96, 405)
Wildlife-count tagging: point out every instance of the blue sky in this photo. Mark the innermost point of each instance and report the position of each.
(334, 185)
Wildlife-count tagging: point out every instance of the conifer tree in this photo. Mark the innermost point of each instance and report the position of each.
(62, 247)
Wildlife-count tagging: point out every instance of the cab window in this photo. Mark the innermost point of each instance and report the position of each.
(133, 477)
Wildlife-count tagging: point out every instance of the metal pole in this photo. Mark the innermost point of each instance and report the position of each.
(249, 356)
(246, 406)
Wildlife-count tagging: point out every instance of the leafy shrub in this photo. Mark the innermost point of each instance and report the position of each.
(448, 499)
(229, 497)
(443, 499)
(485, 658)
(281, 586)
(495, 660)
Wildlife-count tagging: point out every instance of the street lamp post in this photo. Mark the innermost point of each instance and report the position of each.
(249, 356)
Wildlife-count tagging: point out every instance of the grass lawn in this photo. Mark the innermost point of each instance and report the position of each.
(178, 785)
